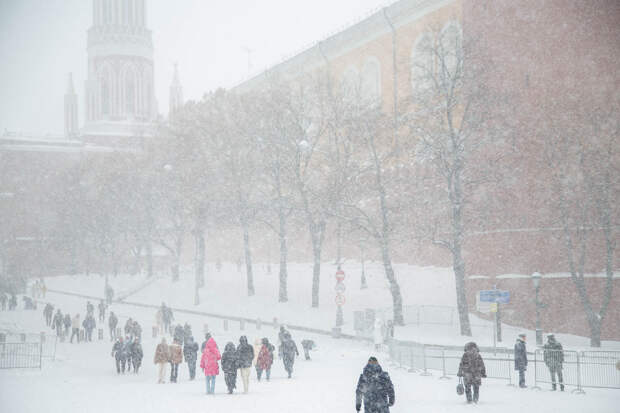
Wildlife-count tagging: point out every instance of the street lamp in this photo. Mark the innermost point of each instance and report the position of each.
(536, 281)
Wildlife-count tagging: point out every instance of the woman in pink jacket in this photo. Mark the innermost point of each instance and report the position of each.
(208, 363)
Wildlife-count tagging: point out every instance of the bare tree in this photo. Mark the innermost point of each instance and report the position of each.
(582, 156)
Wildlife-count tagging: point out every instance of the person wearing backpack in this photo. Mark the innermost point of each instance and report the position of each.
(472, 370)
(375, 389)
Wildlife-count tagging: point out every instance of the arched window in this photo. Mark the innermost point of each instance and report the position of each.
(451, 52)
(422, 64)
(130, 92)
(350, 84)
(370, 88)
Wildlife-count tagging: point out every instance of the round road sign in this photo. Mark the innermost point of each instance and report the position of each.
(340, 288)
(340, 300)
(340, 275)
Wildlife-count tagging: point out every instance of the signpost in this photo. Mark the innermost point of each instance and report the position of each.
(494, 298)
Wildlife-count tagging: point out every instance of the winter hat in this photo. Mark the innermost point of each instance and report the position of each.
(522, 335)
(373, 359)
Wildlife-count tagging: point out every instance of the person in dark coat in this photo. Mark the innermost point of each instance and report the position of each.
(119, 352)
(307, 345)
(553, 355)
(48, 312)
(282, 333)
(67, 322)
(136, 330)
(375, 388)
(245, 354)
(128, 327)
(190, 352)
(187, 332)
(128, 355)
(89, 325)
(521, 359)
(101, 308)
(112, 323)
(58, 323)
(136, 354)
(178, 333)
(288, 351)
(264, 359)
(230, 363)
(472, 370)
(12, 302)
(90, 308)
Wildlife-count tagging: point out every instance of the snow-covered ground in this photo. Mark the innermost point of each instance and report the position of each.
(226, 294)
(83, 379)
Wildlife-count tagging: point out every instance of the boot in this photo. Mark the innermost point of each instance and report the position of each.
(561, 387)
(553, 387)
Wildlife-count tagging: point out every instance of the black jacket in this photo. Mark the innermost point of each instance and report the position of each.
(553, 354)
(288, 351)
(375, 388)
(245, 353)
(119, 350)
(190, 351)
(472, 367)
(230, 359)
(520, 355)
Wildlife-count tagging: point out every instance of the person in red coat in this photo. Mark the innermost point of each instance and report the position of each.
(265, 359)
(209, 364)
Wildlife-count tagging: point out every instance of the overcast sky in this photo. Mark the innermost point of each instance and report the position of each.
(43, 40)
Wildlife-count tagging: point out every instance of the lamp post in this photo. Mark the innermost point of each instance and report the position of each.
(536, 281)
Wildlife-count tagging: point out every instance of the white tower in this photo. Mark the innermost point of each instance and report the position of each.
(71, 110)
(176, 94)
(120, 103)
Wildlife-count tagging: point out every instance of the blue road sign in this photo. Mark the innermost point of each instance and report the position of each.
(495, 296)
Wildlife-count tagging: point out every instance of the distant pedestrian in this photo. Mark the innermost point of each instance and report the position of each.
(288, 351)
(101, 307)
(136, 354)
(190, 352)
(128, 355)
(12, 302)
(161, 359)
(245, 353)
(3, 300)
(167, 317)
(521, 359)
(89, 325)
(553, 356)
(209, 364)
(176, 357)
(109, 294)
(472, 370)
(112, 322)
(178, 333)
(204, 343)
(307, 345)
(128, 327)
(375, 389)
(119, 352)
(264, 360)
(58, 323)
(283, 332)
(75, 328)
(159, 321)
(136, 330)
(230, 363)
(90, 308)
(48, 312)
(187, 332)
(67, 323)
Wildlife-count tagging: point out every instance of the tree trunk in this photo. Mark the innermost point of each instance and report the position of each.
(397, 299)
(461, 296)
(200, 258)
(175, 268)
(283, 292)
(149, 259)
(248, 256)
(316, 275)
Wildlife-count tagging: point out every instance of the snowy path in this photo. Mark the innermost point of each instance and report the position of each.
(82, 379)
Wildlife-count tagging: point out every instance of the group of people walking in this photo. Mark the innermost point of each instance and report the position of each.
(235, 360)
(6, 301)
(127, 353)
(65, 324)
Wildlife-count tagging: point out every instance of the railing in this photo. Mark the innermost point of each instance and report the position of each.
(47, 341)
(20, 355)
(594, 369)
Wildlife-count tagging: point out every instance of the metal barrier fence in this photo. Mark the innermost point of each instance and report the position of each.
(596, 369)
(20, 355)
(48, 342)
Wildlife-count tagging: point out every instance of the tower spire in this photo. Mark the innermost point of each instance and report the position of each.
(71, 109)
(176, 94)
